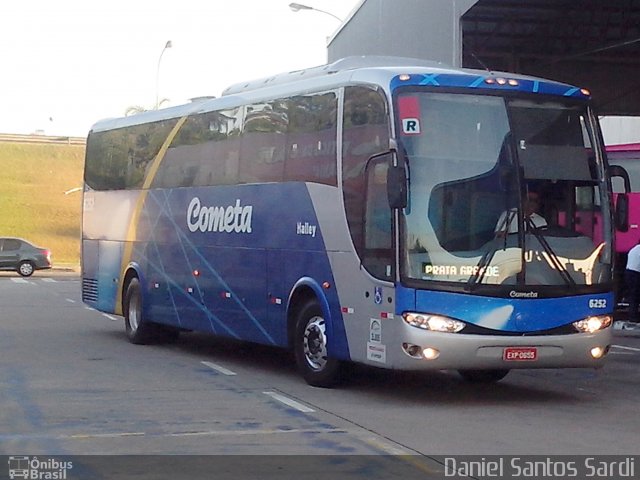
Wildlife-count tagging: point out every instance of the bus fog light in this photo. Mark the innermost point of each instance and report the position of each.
(593, 324)
(598, 352)
(433, 323)
(430, 353)
(414, 351)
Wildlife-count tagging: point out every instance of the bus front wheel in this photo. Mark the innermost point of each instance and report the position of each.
(483, 376)
(311, 348)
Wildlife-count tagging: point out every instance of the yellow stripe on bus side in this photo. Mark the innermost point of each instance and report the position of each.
(132, 230)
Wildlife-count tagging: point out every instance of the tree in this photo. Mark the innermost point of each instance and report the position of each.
(136, 109)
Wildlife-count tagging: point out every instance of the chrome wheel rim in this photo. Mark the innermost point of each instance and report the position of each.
(134, 312)
(315, 343)
(26, 269)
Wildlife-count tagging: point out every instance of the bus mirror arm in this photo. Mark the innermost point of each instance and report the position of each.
(396, 177)
(618, 171)
(621, 213)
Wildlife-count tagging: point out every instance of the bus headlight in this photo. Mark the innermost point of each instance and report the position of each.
(434, 323)
(593, 324)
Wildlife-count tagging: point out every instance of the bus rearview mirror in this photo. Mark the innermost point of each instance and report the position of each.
(621, 216)
(397, 186)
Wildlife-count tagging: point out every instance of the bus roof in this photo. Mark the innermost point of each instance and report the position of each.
(376, 70)
(339, 66)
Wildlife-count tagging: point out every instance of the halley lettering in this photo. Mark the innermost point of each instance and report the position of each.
(234, 218)
(306, 229)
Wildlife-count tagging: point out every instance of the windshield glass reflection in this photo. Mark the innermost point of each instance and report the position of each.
(503, 192)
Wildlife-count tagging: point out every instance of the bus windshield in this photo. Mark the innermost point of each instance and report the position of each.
(503, 191)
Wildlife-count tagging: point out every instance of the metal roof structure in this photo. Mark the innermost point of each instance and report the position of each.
(589, 43)
(592, 43)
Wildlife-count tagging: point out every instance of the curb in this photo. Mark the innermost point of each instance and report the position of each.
(65, 268)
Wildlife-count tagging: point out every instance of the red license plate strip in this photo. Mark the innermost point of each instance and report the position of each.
(520, 354)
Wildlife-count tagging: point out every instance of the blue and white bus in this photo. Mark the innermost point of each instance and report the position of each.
(356, 212)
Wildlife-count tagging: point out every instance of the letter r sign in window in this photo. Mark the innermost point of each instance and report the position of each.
(409, 109)
(410, 126)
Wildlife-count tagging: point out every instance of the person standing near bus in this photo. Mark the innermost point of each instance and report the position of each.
(632, 280)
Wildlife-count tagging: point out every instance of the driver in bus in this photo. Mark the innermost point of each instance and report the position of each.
(508, 221)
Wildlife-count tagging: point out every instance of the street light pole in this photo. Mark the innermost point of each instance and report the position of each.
(296, 7)
(167, 45)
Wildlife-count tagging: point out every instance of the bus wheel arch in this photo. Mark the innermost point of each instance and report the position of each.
(130, 274)
(297, 300)
(139, 329)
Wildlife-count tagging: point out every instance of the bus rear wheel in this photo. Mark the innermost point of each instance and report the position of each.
(311, 348)
(483, 376)
(140, 331)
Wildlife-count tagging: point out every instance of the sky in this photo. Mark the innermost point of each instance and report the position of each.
(68, 63)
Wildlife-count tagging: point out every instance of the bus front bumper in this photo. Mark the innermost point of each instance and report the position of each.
(421, 350)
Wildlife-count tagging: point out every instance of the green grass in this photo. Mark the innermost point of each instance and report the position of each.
(33, 206)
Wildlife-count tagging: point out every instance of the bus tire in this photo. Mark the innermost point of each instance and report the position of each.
(139, 331)
(311, 347)
(483, 376)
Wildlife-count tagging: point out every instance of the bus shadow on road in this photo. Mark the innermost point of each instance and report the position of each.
(536, 386)
(448, 387)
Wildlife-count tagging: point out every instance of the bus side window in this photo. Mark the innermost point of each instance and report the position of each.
(311, 139)
(263, 143)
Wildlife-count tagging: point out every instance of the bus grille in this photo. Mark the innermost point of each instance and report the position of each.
(477, 330)
(89, 290)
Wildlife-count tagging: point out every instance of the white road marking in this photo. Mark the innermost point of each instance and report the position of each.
(104, 435)
(218, 368)
(110, 317)
(20, 280)
(289, 402)
(216, 433)
(255, 432)
(49, 280)
(69, 300)
(386, 447)
(624, 347)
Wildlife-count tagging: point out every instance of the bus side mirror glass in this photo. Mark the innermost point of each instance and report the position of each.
(618, 171)
(397, 186)
(621, 216)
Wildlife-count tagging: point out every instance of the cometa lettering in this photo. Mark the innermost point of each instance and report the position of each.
(514, 294)
(232, 219)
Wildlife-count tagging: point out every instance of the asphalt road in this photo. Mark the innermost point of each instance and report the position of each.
(71, 384)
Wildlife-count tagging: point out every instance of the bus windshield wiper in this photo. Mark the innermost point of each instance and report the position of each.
(486, 258)
(553, 259)
(481, 266)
